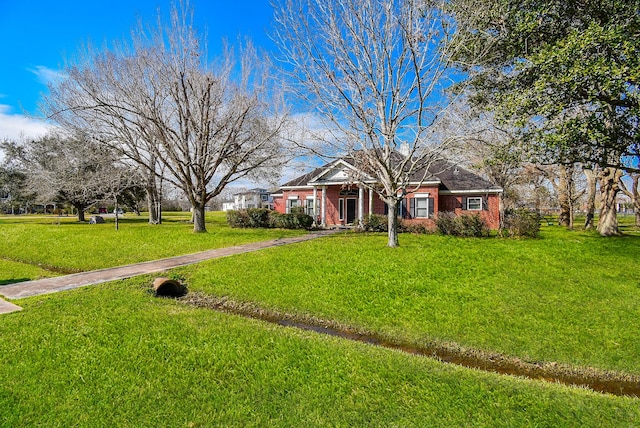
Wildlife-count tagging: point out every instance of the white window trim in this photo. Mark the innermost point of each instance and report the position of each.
(341, 211)
(289, 201)
(475, 198)
(419, 196)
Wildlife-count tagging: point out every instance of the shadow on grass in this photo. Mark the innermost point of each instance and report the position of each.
(13, 281)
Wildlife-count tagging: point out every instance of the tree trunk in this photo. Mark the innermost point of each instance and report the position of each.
(152, 199)
(634, 194)
(609, 187)
(117, 217)
(197, 213)
(151, 206)
(564, 197)
(590, 175)
(80, 209)
(392, 222)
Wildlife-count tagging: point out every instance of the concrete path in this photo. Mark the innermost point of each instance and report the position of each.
(52, 285)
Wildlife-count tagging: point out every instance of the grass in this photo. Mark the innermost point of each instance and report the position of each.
(115, 356)
(571, 297)
(63, 244)
(11, 272)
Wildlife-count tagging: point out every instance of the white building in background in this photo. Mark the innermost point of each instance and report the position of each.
(252, 198)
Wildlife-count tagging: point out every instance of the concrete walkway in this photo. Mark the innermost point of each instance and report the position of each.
(52, 285)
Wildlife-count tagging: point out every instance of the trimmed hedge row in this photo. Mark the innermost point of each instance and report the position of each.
(264, 218)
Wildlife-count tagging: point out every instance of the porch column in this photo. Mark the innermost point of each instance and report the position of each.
(315, 205)
(360, 205)
(370, 201)
(323, 208)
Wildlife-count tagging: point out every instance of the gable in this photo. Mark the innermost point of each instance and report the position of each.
(449, 176)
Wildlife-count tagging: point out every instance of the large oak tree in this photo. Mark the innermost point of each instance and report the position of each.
(567, 72)
(164, 104)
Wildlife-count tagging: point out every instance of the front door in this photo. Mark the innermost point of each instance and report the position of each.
(351, 210)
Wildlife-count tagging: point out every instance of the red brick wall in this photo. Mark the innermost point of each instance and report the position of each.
(442, 203)
(451, 203)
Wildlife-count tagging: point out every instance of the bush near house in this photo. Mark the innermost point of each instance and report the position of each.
(521, 223)
(376, 223)
(264, 218)
(465, 225)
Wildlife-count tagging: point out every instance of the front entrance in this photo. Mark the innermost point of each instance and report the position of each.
(351, 210)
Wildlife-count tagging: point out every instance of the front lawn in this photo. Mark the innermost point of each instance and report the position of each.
(62, 244)
(112, 355)
(570, 297)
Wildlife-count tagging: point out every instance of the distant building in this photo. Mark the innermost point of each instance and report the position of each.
(252, 198)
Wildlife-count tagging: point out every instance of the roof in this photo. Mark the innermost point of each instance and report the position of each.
(448, 175)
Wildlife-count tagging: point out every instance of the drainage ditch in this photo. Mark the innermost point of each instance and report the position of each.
(597, 380)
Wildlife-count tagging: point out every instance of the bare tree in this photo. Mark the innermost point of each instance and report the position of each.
(374, 71)
(65, 169)
(160, 101)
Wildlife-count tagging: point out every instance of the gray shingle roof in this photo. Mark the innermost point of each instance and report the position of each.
(451, 177)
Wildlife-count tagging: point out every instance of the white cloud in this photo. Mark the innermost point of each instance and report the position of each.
(17, 126)
(45, 74)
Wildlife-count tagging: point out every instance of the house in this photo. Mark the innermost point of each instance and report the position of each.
(330, 195)
(252, 198)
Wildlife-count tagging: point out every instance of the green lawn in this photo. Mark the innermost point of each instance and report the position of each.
(570, 297)
(113, 355)
(63, 244)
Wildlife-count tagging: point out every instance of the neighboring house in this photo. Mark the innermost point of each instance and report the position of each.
(333, 198)
(228, 206)
(252, 198)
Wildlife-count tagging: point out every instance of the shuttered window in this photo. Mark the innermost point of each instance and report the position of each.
(474, 203)
(421, 207)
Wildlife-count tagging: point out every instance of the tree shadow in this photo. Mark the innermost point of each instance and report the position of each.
(13, 281)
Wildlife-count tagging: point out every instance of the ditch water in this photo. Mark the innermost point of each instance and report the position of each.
(604, 382)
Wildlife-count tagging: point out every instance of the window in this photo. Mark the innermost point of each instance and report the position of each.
(264, 197)
(308, 209)
(292, 203)
(474, 203)
(341, 209)
(422, 207)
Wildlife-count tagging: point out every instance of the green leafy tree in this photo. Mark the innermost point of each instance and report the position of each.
(567, 72)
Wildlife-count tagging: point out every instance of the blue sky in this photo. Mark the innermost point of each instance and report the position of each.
(38, 35)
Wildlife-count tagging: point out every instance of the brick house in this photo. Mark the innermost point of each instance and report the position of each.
(333, 198)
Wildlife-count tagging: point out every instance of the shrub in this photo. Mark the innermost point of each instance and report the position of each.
(521, 223)
(375, 223)
(472, 226)
(465, 225)
(263, 218)
(296, 219)
(258, 217)
(417, 228)
(238, 219)
(445, 223)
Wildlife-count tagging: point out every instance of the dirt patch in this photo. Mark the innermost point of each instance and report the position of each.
(598, 380)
